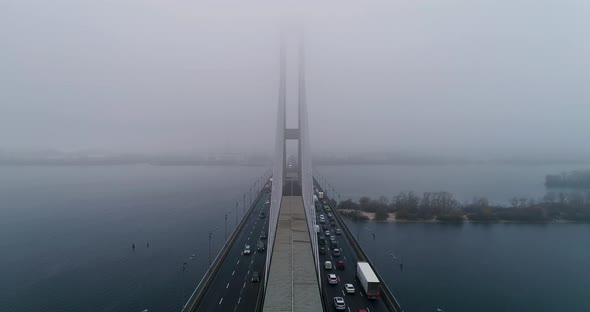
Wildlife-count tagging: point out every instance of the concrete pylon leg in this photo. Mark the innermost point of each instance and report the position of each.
(292, 266)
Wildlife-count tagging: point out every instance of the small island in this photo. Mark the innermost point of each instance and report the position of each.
(443, 207)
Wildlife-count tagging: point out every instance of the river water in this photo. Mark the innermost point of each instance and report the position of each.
(471, 267)
(66, 235)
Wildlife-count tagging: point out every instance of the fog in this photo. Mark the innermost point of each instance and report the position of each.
(455, 77)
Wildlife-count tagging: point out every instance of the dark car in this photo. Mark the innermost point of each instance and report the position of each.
(255, 277)
(332, 224)
(262, 235)
(340, 265)
(262, 215)
(334, 244)
(322, 250)
(261, 246)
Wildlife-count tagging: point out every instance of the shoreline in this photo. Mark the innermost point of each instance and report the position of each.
(392, 219)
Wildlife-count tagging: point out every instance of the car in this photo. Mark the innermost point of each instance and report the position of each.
(332, 224)
(322, 250)
(262, 215)
(332, 238)
(339, 303)
(262, 235)
(338, 232)
(322, 221)
(255, 277)
(321, 216)
(332, 279)
(333, 244)
(340, 264)
(267, 202)
(325, 227)
(327, 232)
(247, 249)
(349, 288)
(261, 246)
(328, 265)
(336, 252)
(322, 241)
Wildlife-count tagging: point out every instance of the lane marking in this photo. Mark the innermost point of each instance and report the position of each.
(348, 309)
(239, 299)
(238, 262)
(343, 294)
(232, 273)
(248, 273)
(227, 286)
(244, 285)
(251, 262)
(220, 301)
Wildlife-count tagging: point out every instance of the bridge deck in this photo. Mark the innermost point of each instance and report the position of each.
(292, 282)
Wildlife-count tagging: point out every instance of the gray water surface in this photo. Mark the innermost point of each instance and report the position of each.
(471, 267)
(66, 234)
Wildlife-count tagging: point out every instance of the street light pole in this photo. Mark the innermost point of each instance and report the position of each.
(358, 228)
(226, 227)
(210, 234)
(374, 251)
(401, 263)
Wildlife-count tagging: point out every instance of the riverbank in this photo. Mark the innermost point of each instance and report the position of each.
(443, 207)
(392, 218)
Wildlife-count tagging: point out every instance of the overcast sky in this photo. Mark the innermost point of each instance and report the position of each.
(454, 76)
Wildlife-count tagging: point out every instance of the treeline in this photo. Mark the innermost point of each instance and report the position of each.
(580, 178)
(443, 206)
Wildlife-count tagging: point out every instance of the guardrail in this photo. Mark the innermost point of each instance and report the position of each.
(197, 296)
(386, 294)
(259, 299)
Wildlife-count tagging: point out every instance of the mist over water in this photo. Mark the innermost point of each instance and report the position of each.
(196, 82)
(66, 235)
(498, 183)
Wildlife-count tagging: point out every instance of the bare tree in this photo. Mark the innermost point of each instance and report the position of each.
(514, 202)
(550, 197)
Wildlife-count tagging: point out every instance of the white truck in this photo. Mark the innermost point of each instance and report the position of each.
(321, 195)
(368, 280)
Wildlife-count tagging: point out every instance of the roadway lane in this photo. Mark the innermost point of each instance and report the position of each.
(232, 289)
(354, 302)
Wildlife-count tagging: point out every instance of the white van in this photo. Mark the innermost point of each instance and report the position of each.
(328, 265)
